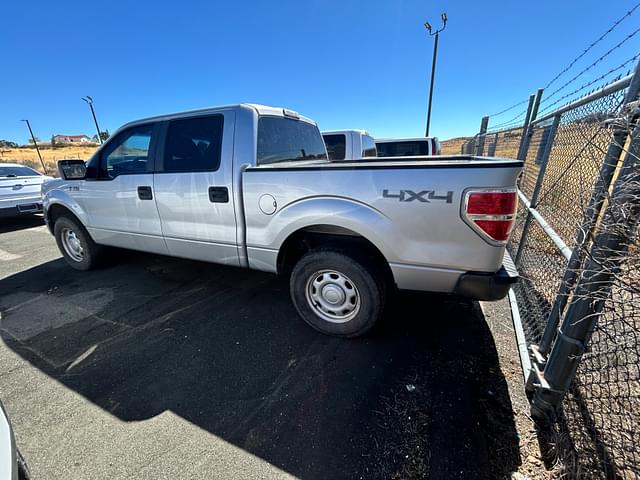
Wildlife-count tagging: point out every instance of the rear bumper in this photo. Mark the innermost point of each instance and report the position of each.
(488, 286)
(21, 209)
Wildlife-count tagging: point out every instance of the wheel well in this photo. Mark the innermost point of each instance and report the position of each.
(56, 211)
(329, 236)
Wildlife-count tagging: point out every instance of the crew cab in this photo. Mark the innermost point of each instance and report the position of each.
(408, 147)
(251, 186)
(349, 144)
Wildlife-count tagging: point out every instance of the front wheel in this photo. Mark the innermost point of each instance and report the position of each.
(75, 244)
(337, 294)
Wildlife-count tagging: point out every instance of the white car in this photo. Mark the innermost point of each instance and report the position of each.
(20, 190)
(12, 465)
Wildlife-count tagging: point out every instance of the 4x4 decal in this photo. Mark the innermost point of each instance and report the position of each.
(424, 196)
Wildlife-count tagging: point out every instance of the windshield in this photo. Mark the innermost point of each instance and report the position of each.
(283, 139)
(14, 171)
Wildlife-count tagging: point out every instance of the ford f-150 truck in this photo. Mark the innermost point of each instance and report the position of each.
(251, 186)
(349, 144)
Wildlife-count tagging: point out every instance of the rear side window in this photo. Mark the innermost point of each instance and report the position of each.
(283, 139)
(336, 146)
(368, 147)
(193, 144)
(403, 149)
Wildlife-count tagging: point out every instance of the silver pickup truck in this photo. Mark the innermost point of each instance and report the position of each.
(251, 186)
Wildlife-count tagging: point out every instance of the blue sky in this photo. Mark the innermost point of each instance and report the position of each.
(346, 64)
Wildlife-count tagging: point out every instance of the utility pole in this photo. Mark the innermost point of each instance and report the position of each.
(35, 143)
(427, 25)
(89, 101)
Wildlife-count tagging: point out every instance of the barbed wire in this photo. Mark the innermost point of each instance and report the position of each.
(509, 108)
(511, 120)
(573, 62)
(593, 44)
(596, 62)
(592, 82)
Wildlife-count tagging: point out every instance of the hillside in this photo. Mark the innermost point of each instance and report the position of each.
(29, 156)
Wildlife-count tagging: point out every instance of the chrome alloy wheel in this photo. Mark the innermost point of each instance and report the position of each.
(332, 296)
(72, 245)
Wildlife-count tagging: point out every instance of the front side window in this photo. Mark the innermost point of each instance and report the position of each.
(368, 147)
(128, 153)
(283, 139)
(194, 144)
(336, 146)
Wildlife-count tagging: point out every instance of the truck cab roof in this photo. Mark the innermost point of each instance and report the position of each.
(411, 139)
(261, 110)
(349, 130)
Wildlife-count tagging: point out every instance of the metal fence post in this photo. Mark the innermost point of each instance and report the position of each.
(481, 136)
(533, 201)
(532, 113)
(491, 151)
(594, 286)
(592, 213)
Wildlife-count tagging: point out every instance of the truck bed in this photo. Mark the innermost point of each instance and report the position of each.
(410, 208)
(443, 161)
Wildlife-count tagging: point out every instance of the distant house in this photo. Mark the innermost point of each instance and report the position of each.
(71, 138)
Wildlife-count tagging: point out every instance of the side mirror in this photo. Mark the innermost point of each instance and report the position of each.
(72, 169)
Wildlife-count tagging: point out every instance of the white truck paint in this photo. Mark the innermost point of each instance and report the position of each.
(349, 144)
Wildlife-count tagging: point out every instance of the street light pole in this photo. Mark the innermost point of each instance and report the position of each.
(427, 25)
(89, 101)
(35, 143)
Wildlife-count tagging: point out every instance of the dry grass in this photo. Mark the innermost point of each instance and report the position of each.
(452, 146)
(28, 155)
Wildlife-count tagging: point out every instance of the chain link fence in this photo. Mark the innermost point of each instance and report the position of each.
(575, 244)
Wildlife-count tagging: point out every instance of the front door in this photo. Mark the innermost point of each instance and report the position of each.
(121, 202)
(193, 187)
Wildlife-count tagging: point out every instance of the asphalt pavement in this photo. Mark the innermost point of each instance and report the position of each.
(154, 367)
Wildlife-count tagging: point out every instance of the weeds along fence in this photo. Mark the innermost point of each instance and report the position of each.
(575, 243)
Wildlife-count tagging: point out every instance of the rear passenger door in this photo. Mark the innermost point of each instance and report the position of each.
(193, 186)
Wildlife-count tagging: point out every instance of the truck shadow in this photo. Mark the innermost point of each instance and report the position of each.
(422, 395)
(13, 224)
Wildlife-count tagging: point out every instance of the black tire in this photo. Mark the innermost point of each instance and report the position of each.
(91, 251)
(369, 288)
(23, 468)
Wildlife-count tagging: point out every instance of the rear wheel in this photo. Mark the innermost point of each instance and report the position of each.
(75, 244)
(338, 294)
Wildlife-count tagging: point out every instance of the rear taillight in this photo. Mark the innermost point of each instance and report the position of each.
(491, 212)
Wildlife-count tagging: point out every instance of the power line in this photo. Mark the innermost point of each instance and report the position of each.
(615, 24)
